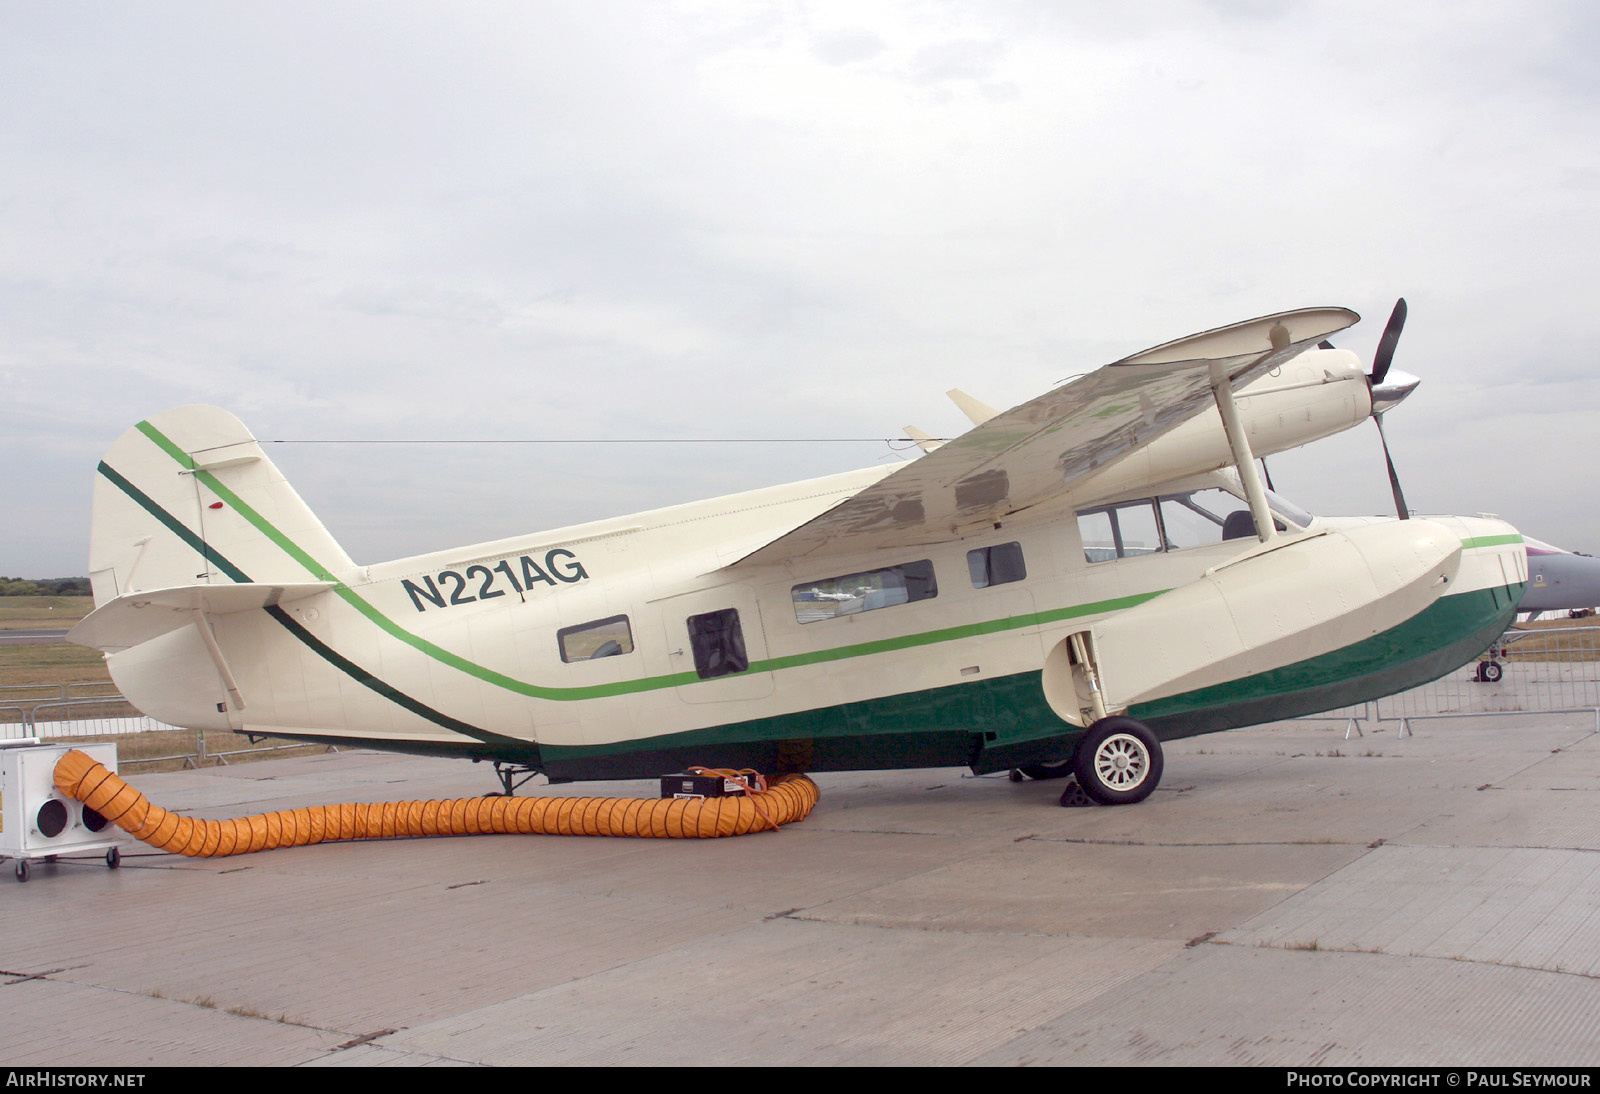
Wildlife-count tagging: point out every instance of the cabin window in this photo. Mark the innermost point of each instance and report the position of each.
(603, 638)
(864, 592)
(718, 644)
(997, 565)
(1120, 531)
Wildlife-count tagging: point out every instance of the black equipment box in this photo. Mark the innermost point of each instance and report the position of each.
(702, 786)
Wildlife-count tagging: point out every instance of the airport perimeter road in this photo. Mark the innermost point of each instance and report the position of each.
(1287, 897)
(31, 637)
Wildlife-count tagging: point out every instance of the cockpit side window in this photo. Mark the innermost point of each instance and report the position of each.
(1174, 522)
(1203, 517)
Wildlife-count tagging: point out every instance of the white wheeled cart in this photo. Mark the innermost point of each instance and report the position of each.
(37, 822)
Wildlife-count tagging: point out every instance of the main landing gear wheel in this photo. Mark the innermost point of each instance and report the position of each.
(1118, 762)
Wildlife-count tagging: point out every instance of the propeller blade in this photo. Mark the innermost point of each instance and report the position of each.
(1394, 480)
(1391, 338)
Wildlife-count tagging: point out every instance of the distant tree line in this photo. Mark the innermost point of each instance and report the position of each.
(48, 586)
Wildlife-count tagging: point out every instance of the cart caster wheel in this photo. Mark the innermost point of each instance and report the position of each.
(113, 859)
(22, 869)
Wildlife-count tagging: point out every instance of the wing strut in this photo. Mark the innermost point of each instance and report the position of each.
(1222, 391)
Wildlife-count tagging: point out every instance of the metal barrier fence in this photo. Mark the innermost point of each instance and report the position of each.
(75, 711)
(1538, 670)
(107, 717)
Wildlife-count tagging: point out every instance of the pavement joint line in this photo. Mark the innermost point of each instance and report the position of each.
(1314, 947)
(365, 1038)
(236, 1011)
(24, 977)
(946, 928)
(1090, 842)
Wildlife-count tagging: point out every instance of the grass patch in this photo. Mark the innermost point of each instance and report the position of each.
(18, 613)
(52, 664)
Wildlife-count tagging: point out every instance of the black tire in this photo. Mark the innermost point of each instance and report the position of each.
(1118, 762)
(113, 858)
(1060, 769)
(1490, 672)
(22, 869)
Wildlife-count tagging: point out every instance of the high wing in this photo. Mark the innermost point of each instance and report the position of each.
(1034, 452)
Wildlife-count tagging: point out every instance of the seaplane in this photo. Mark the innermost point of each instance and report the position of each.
(1056, 592)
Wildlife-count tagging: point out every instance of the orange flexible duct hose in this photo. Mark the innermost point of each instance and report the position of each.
(790, 798)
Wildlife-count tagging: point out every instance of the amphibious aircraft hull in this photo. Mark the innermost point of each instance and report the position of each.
(927, 684)
(955, 725)
(745, 631)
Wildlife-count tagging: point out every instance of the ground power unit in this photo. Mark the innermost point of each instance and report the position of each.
(37, 822)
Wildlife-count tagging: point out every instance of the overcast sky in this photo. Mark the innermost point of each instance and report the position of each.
(527, 221)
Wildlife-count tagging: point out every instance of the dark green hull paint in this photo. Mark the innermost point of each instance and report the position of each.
(1382, 665)
(992, 725)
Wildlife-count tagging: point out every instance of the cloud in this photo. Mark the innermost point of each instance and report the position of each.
(531, 221)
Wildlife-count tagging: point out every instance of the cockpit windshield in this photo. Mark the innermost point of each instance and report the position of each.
(1282, 508)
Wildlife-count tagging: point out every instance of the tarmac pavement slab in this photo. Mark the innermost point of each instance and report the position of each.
(1285, 897)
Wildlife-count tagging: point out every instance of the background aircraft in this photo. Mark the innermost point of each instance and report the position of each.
(1559, 580)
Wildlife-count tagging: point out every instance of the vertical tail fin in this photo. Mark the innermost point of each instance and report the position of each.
(188, 497)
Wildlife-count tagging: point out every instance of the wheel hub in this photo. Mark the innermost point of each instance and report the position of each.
(1122, 762)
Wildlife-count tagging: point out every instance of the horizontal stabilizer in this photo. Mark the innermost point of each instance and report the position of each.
(1273, 607)
(133, 618)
